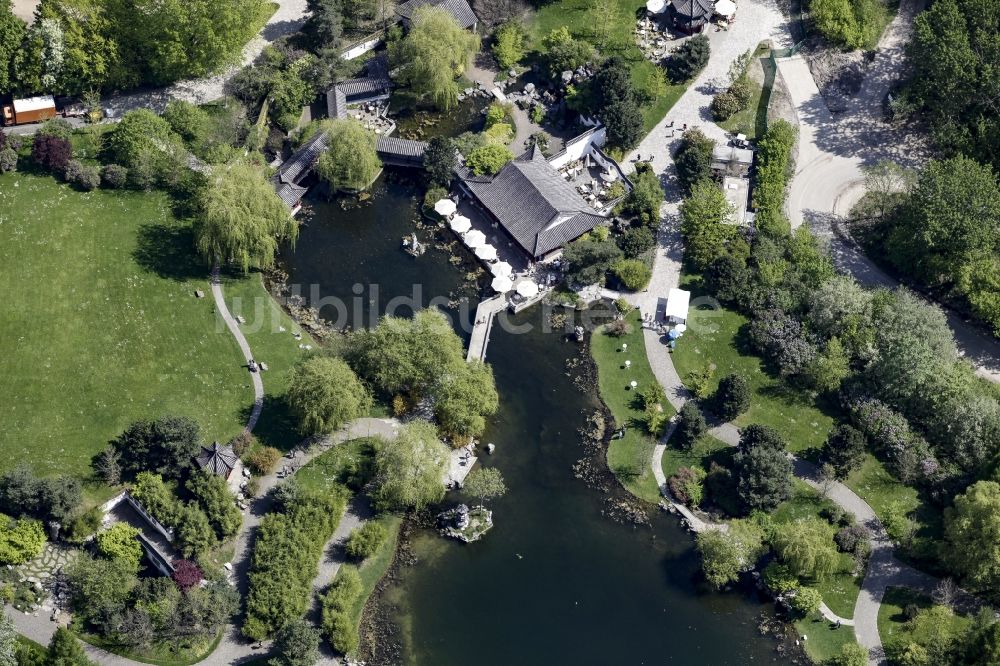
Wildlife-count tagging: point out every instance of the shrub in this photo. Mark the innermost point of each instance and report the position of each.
(618, 328)
(537, 115)
(188, 120)
(732, 398)
(724, 105)
(637, 241)
(242, 443)
(690, 425)
(187, 574)
(806, 600)
(432, 196)
(632, 273)
(213, 496)
(263, 460)
(8, 160)
(844, 449)
(623, 306)
(119, 542)
(849, 538)
(779, 578)
(337, 624)
(774, 155)
(689, 59)
(297, 644)
(487, 160)
(693, 159)
(114, 176)
(287, 550)
(84, 526)
(85, 176)
(365, 540)
(509, 43)
(687, 485)
(20, 540)
(52, 153)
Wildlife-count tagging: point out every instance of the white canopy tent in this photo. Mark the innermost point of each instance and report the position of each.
(501, 269)
(527, 288)
(445, 207)
(486, 252)
(677, 306)
(501, 284)
(474, 239)
(725, 8)
(656, 6)
(460, 224)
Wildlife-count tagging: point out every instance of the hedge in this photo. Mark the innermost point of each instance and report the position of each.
(774, 155)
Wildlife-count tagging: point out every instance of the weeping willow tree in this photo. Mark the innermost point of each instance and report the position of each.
(241, 220)
(351, 163)
(433, 54)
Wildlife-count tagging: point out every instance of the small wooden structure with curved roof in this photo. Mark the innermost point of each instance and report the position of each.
(691, 15)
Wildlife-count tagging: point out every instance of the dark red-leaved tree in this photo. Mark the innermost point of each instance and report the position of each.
(187, 574)
(51, 152)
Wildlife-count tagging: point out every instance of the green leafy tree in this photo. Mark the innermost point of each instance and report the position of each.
(351, 162)
(465, 395)
(66, 650)
(99, 589)
(689, 59)
(972, 530)
(703, 216)
(694, 159)
(509, 44)
(616, 103)
(844, 449)
(409, 471)
(830, 367)
(851, 654)
(589, 261)
(144, 143)
(166, 446)
(690, 425)
(732, 398)
(297, 644)
(806, 546)
(564, 53)
(195, 535)
(836, 21)
(487, 160)
(20, 540)
(432, 55)
(189, 121)
(806, 600)
(212, 494)
(727, 554)
(762, 470)
(324, 394)
(485, 483)
(12, 34)
(637, 241)
(645, 199)
(774, 154)
(119, 542)
(241, 220)
(439, 161)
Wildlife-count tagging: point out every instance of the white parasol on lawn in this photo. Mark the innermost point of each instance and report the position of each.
(725, 8)
(474, 239)
(460, 224)
(655, 6)
(527, 288)
(501, 284)
(445, 207)
(501, 269)
(486, 252)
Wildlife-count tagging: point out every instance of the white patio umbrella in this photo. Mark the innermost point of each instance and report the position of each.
(680, 328)
(486, 252)
(655, 6)
(474, 239)
(527, 288)
(501, 269)
(445, 207)
(724, 8)
(501, 284)
(460, 224)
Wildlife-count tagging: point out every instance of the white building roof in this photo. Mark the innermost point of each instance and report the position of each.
(737, 191)
(34, 103)
(677, 304)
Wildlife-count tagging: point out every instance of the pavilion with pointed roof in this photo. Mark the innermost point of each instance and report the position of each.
(219, 460)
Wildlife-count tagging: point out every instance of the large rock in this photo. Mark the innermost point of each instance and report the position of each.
(567, 76)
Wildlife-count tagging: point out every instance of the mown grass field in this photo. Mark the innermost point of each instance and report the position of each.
(102, 326)
(629, 458)
(892, 622)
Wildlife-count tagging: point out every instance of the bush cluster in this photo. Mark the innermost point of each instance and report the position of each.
(337, 623)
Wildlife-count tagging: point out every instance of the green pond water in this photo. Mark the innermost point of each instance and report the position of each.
(555, 581)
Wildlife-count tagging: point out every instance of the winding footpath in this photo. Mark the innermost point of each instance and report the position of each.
(234, 329)
(826, 184)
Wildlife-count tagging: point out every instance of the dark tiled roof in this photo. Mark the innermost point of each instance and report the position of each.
(534, 203)
(336, 103)
(396, 147)
(290, 193)
(459, 9)
(364, 86)
(694, 10)
(219, 460)
(302, 160)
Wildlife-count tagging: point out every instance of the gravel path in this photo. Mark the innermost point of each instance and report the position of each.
(234, 328)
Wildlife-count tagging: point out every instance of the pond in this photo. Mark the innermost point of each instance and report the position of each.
(556, 581)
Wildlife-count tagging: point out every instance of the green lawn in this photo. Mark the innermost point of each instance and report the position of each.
(375, 567)
(579, 20)
(629, 458)
(752, 121)
(716, 336)
(705, 450)
(892, 618)
(337, 465)
(102, 326)
(823, 640)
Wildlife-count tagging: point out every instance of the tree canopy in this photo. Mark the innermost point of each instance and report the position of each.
(432, 55)
(485, 483)
(726, 554)
(241, 220)
(972, 528)
(703, 216)
(409, 470)
(806, 546)
(324, 394)
(351, 162)
(763, 471)
(166, 446)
